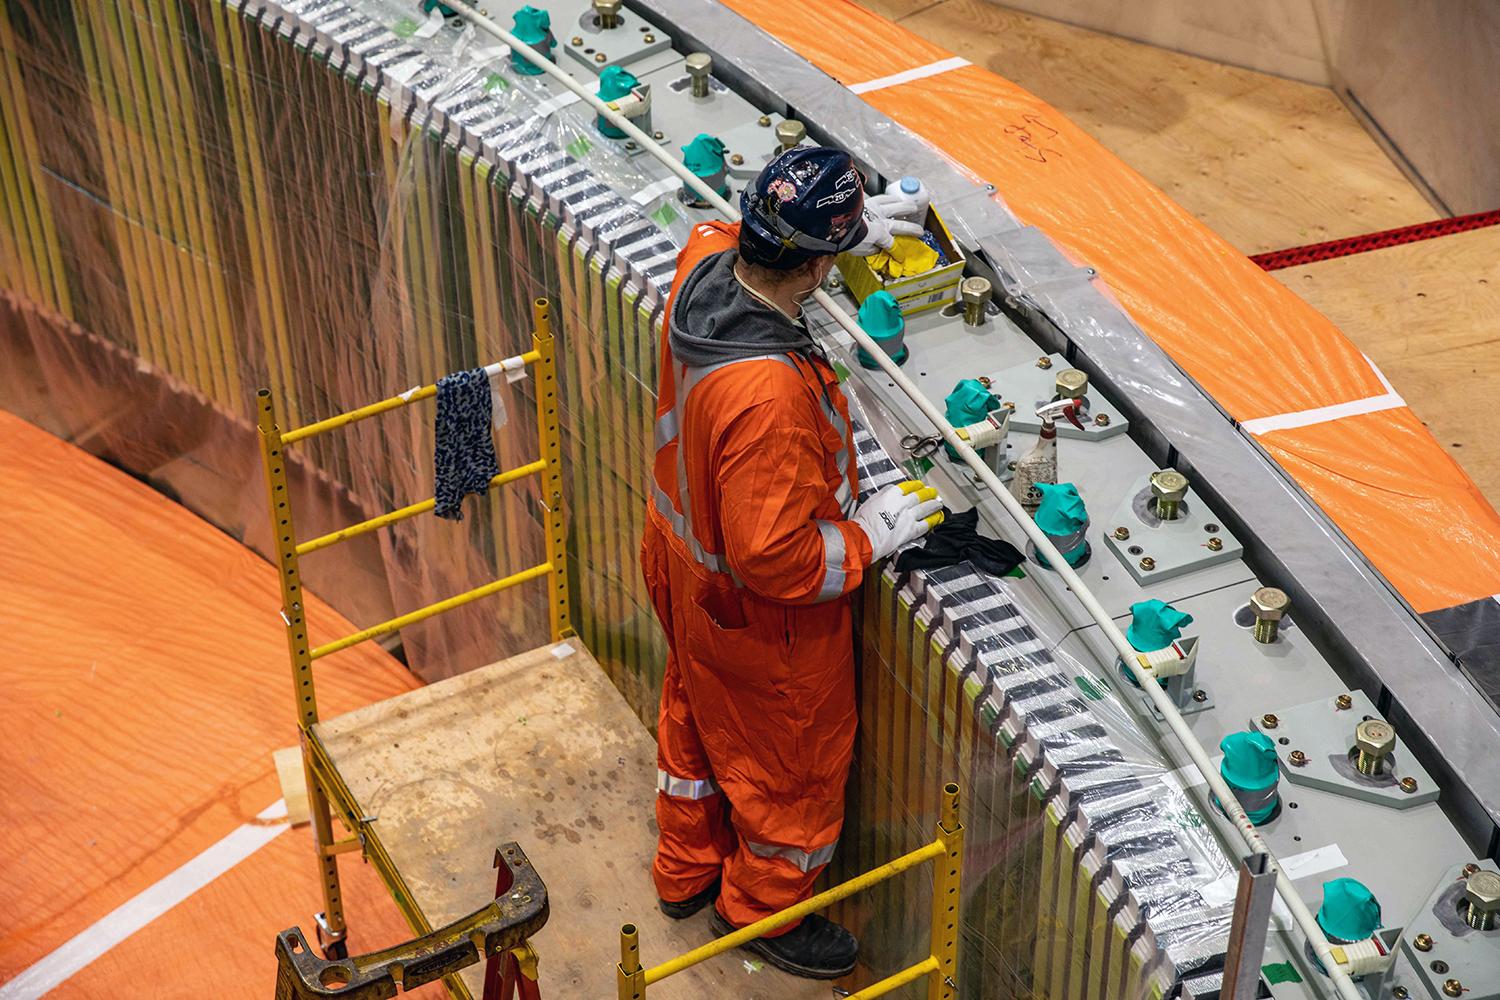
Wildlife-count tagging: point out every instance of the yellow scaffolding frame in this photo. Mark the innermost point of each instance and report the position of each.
(940, 969)
(326, 789)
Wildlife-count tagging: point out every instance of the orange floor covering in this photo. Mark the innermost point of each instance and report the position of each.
(146, 682)
(1252, 344)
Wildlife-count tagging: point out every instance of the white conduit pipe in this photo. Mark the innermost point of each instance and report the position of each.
(1251, 837)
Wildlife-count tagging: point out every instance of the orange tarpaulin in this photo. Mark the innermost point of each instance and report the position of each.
(1252, 344)
(146, 684)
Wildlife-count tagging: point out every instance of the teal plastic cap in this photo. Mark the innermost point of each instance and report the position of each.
(1249, 761)
(1155, 625)
(1349, 912)
(1061, 511)
(616, 82)
(704, 156)
(532, 26)
(880, 315)
(969, 402)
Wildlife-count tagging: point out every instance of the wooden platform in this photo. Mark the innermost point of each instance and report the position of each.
(540, 749)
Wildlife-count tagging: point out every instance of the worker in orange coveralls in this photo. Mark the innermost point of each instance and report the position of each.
(752, 548)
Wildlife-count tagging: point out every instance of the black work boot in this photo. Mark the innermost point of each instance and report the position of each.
(691, 905)
(816, 948)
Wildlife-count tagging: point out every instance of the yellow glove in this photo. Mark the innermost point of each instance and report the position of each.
(907, 256)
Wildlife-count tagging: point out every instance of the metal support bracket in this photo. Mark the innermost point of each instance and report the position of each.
(503, 925)
(1248, 931)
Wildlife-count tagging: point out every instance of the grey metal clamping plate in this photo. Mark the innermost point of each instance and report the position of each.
(1439, 947)
(1322, 734)
(635, 43)
(1030, 385)
(1153, 549)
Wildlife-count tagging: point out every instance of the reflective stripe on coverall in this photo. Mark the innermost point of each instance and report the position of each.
(749, 568)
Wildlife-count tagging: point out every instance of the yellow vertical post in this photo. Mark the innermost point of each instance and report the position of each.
(293, 614)
(943, 983)
(548, 423)
(630, 977)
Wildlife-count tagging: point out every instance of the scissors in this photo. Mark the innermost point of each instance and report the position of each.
(919, 446)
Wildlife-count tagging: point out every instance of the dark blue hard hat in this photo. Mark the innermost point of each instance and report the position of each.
(808, 202)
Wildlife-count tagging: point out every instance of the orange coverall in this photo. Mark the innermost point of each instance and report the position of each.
(750, 578)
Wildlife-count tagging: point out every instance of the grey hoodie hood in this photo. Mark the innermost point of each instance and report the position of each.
(714, 319)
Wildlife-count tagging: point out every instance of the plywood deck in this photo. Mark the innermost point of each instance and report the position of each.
(541, 750)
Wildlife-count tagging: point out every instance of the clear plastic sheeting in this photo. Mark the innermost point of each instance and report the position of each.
(313, 199)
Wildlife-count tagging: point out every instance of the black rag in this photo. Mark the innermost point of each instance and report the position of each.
(464, 458)
(958, 540)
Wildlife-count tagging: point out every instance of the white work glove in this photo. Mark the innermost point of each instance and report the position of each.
(898, 515)
(896, 209)
(881, 229)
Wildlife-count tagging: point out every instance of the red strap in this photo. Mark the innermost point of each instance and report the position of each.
(1277, 259)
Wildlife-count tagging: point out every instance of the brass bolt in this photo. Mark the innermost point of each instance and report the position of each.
(1044, 363)
(658, 135)
(1343, 703)
(608, 12)
(984, 380)
(576, 40)
(1009, 404)
(1215, 544)
(1269, 721)
(736, 159)
(1122, 533)
(630, 144)
(1102, 420)
(1374, 740)
(1071, 384)
(1168, 487)
(600, 57)
(1148, 564)
(1482, 893)
(699, 65)
(1453, 988)
(1297, 758)
(1408, 785)
(648, 39)
(1270, 605)
(1200, 695)
(1399, 992)
(1422, 942)
(975, 294)
(789, 134)
(764, 121)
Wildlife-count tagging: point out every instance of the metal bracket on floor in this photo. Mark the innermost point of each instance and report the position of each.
(499, 928)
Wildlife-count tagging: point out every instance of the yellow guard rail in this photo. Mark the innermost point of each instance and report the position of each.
(324, 786)
(939, 968)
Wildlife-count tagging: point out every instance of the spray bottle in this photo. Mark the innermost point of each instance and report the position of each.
(1040, 464)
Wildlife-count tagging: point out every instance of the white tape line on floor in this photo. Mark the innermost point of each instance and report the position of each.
(130, 916)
